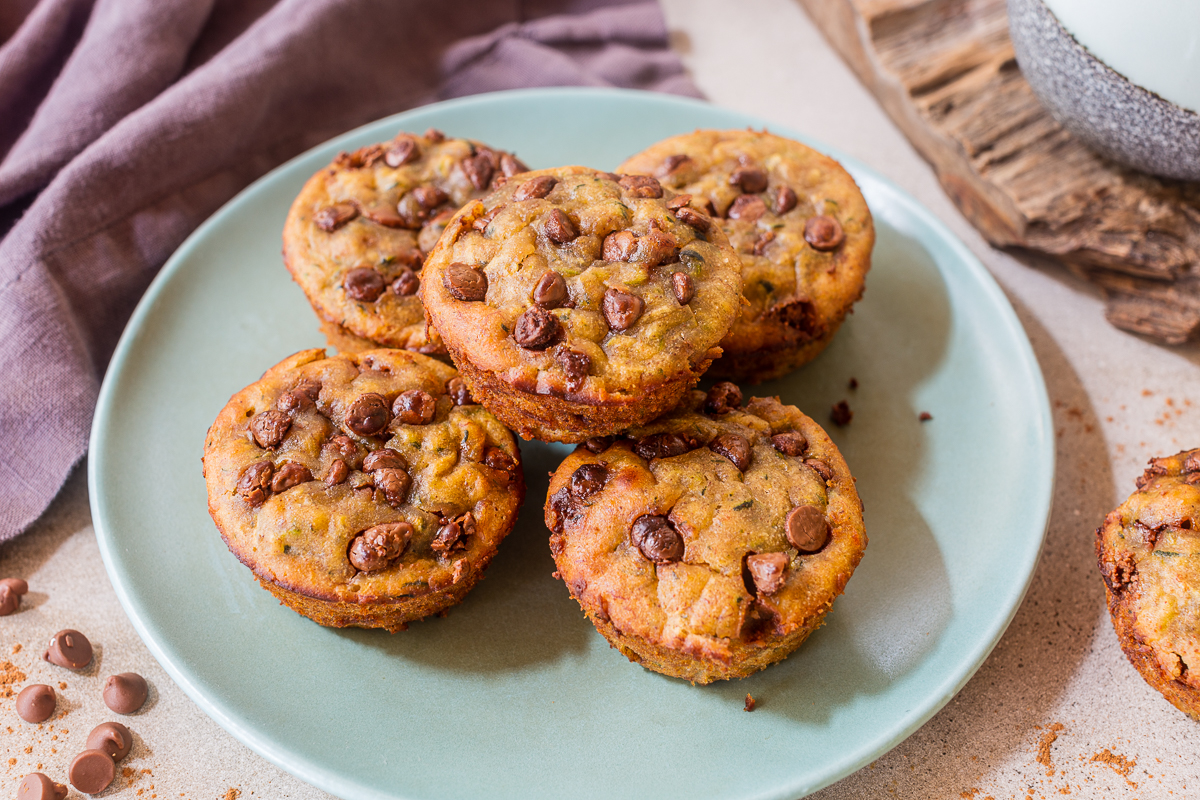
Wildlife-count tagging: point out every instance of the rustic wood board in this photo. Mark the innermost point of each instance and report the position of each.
(944, 70)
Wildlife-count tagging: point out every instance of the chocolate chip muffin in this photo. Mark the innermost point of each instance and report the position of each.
(357, 234)
(1149, 554)
(577, 303)
(710, 543)
(366, 489)
(800, 225)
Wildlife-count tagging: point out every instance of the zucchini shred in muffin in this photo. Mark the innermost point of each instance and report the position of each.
(356, 236)
(362, 490)
(1148, 550)
(798, 222)
(577, 303)
(710, 543)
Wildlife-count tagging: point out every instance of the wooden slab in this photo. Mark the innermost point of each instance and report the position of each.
(944, 70)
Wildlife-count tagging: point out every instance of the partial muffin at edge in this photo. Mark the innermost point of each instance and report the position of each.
(800, 225)
(1148, 551)
(357, 234)
(710, 543)
(577, 303)
(362, 490)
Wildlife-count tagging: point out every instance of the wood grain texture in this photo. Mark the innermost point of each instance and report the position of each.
(944, 70)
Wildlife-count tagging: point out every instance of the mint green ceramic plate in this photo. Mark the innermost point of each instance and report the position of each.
(513, 694)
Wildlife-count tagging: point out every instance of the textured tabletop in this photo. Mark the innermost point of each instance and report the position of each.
(1055, 711)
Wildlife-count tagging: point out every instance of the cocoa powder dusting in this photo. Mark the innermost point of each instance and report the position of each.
(1048, 738)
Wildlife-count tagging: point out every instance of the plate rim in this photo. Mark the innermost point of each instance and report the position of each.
(333, 782)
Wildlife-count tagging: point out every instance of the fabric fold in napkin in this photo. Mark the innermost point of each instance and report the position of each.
(125, 123)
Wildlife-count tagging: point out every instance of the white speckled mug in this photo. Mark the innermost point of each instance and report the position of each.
(1123, 76)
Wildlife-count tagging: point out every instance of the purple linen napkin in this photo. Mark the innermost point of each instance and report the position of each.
(125, 123)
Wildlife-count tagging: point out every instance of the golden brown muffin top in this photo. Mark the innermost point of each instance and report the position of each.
(716, 523)
(582, 284)
(357, 234)
(795, 216)
(1149, 554)
(360, 477)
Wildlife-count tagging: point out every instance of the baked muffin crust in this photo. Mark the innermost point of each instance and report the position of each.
(1148, 550)
(578, 303)
(800, 225)
(362, 489)
(711, 542)
(357, 234)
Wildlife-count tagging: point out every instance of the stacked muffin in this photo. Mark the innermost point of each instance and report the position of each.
(703, 536)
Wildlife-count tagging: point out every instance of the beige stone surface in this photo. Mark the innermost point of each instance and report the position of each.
(1117, 401)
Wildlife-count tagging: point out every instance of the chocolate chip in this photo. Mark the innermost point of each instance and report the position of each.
(598, 444)
(820, 467)
(384, 458)
(663, 445)
(478, 169)
(269, 428)
(750, 703)
(575, 365)
(407, 284)
(535, 188)
(1190, 464)
(690, 216)
(254, 484)
(338, 472)
(434, 136)
(767, 571)
(330, 218)
(621, 308)
(459, 393)
(345, 447)
(11, 590)
(619, 246)
(429, 196)
(841, 414)
(760, 243)
(924, 416)
(394, 483)
(368, 414)
(673, 163)
(378, 546)
(485, 220)
(36, 786)
(414, 407)
(551, 290)
(790, 443)
(750, 180)
(656, 247)
(36, 702)
(641, 186)
(511, 165)
(293, 401)
(403, 150)
(69, 648)
(92, 771)
(748, 207)
(722, 398)
(807, 529)
(563, 509)
(657, 539)
(536, 328)
(465, 282)
(112, 738)
(823, 233)
(449, 536)
(495, 458)
(289, 474)
(559, 228)
(587, 480)
(733, 446)
(362, 157)
(800, 313)
(412, 213)
(785, 200)
(683, 286)
(386, 215)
